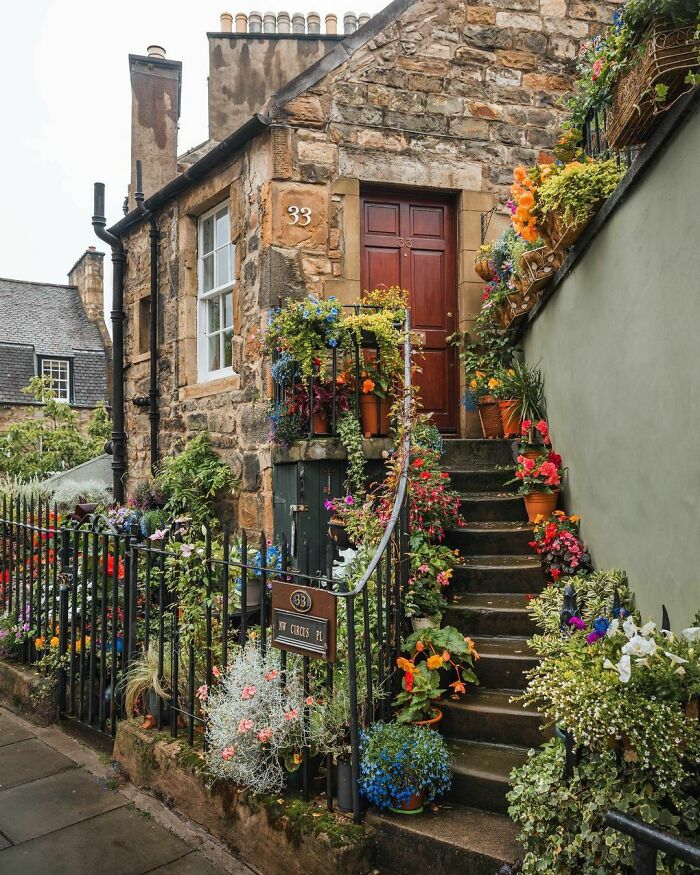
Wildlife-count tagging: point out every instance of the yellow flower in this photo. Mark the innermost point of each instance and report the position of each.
(539, 518)
(575, 518)
(494, 383)
(473, 384)
(297, 759)
(54, 642)
(480, 374)
(434, 662)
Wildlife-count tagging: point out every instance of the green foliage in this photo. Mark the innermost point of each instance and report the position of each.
(576, 190)
(525, 384)
(304, 328)
(193, 479)
(350, 433)
(51, 441)
(561, 824)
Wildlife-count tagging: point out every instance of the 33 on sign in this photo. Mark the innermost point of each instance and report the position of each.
(299, 215)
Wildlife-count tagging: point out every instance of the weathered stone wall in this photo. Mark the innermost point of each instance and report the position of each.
(11, 414)
(449, 96)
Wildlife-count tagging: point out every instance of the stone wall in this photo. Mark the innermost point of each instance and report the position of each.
(449, 96)
(11, 414)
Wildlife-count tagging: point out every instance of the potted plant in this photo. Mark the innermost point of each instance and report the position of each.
(482, 262)
(539, 481)
(374, 400)
(430, 652)
(402, 767)
(534, 438)
(330, 735)
(521, 396)
(482, 386)
(556, 540)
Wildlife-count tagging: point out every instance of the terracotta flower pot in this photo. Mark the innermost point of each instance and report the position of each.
(541, 504)
(431, 721)
(413, 806)
(531, 454)
(510, 417)
(490, 416)
(320, 423)
(374, 415)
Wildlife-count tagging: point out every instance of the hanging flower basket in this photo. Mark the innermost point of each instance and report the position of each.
(483, 266)
(563, 234)
(538, 266)
(517, 305)
(670, 52)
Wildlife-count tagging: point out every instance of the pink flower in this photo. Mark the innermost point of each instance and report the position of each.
(245, 726)
(328, 504)
(264, 735)
(227, 753)
(349, 500)
(215, 670)
(526, 426)
(292, 714)
(271, 675)
(248, 692)
(551, 473)
(202, 693)
(543, 429)
(443, 579)
(423, 569)
(310, 700)
(597, 67)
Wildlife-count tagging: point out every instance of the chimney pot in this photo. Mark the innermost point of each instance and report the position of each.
(226, 22)
(156, 52)
(284, 24)
(298, 23)
(255, 22)
(349, 22)
(269, 22)
(362, 19)
(332, 24)
(241, 22)
(313, 23)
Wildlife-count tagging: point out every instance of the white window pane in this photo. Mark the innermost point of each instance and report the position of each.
(223, 275)
(228, 351)
(207, 235)
(228, 309)
(214, 352)
(208, 274)
(223, 233)
(213, 314)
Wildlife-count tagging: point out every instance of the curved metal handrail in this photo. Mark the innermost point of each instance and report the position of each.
(402, 487)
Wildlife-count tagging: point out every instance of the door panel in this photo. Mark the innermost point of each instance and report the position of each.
(408, 239)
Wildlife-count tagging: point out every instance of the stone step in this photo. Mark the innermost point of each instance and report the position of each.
(482, 479)
(475, 452)
(483, 506)
(491, 538)
(480, 773)
(509, 574)
(490, 614)
(452, 839)
(490, 716)
(503, 662)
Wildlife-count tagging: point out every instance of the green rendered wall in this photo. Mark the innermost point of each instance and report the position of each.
(619, 346)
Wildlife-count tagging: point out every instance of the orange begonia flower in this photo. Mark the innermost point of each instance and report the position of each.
(405, 664)
(434, 662)
(519, 174)
(419, 646)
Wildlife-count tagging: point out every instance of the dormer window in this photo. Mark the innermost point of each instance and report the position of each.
(58, 371)
(215, 283)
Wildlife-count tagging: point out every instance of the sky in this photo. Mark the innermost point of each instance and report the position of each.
(65, 105)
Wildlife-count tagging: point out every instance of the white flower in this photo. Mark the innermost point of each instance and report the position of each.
(623, 668)
(691, 634)
(677, 660)
(613, 628)
(638, 646)
(629, 627)
(647, 629)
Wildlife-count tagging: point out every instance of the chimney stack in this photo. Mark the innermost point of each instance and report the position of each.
(226, 22)
(155, 109)
(331, 23)
(87, 275)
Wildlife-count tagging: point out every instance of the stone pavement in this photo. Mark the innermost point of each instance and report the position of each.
(58, 815)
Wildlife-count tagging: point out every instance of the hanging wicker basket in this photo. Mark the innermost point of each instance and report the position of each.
(517, 305)
(670, 52)
(563, 234)
(538, 266)
(483, 267)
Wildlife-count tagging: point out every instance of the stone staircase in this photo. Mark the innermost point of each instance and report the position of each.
(486, 733)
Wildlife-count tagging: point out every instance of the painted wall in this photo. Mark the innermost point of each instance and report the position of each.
(618, 347)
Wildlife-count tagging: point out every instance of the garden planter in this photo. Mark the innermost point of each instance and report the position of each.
(150, 705)
(531, 454)
(541, 504)
(563, 234)
(537, 267)
(413, 806)
(320, 423)
(669, 53)
(419, 623)
(510, 417)
(343, 771)
(432, 722)
(490, 416)
(374, 415)
(253, 592)
(483, 267)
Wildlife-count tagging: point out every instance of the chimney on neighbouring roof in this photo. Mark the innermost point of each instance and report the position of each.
(155, 109)
(87, 275)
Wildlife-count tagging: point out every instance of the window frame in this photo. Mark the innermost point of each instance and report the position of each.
(204, 374)
(63, 360)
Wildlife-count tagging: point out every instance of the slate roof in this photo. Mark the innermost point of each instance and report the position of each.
(48, 320)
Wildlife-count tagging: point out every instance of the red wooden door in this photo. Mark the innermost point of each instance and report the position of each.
(409, 241)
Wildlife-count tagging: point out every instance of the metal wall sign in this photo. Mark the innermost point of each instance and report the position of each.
(304, 620)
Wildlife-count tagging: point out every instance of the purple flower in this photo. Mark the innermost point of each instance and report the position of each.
(577, 623)
(328, 504)
(593, 637)
(349, 500)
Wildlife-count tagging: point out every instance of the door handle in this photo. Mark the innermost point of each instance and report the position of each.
(449, 314)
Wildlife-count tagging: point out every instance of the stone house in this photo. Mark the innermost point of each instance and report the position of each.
(334, 164)
(56, 331)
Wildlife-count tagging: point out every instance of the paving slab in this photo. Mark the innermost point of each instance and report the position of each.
(43, 806)
(122, 841)
(11, 732)
(28, 760)
(192, 864)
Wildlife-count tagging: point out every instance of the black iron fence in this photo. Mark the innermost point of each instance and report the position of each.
(594, 139)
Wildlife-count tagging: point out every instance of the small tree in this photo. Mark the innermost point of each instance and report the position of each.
(51, 441)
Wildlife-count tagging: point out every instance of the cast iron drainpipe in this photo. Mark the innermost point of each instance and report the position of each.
(99, 223)
(153, 393)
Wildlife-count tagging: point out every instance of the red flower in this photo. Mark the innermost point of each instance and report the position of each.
(408, 681)
(110, 567)
(555, 459)
(425, 475)
(418, 463)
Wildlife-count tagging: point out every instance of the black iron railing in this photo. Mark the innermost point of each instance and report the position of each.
(595, 143)
(95, 600)
(650, 841)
